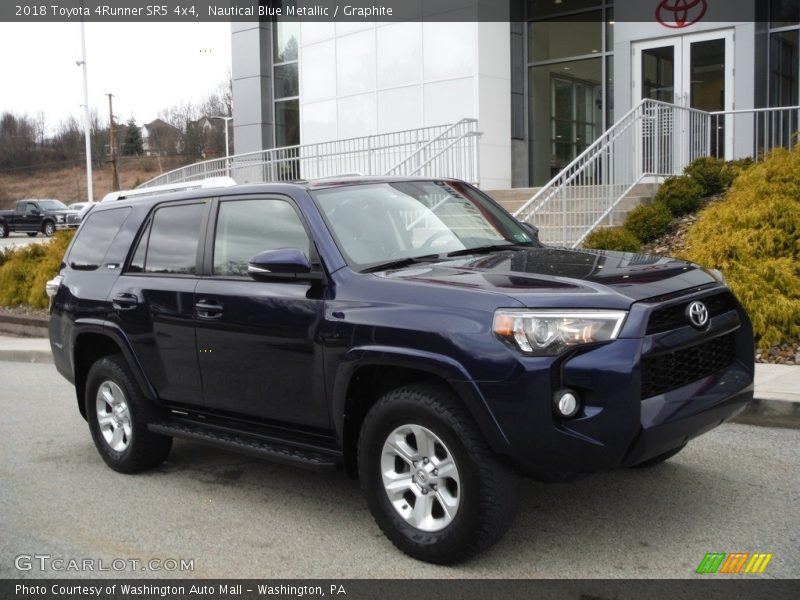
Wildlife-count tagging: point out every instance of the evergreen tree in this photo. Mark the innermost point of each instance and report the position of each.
(132, 142)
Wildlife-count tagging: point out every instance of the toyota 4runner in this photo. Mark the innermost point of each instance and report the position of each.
(408, 331)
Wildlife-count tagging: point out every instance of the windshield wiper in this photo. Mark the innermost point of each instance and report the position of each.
(402, 262)
(487, 249)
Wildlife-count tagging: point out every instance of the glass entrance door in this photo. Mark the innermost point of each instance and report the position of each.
(693, 71)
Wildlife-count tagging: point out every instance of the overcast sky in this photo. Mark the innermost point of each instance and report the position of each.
(147, 66)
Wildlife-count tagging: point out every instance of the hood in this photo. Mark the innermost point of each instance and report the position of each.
(567, 278)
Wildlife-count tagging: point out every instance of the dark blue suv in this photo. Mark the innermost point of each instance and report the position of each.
(409, 331)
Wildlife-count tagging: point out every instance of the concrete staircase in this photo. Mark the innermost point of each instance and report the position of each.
(580, 200)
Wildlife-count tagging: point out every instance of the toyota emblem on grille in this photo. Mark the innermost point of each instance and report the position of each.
(698, 314)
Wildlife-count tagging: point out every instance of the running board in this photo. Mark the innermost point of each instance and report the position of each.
(253, 445)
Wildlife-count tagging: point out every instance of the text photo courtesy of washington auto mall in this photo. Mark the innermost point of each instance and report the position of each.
(363, 299)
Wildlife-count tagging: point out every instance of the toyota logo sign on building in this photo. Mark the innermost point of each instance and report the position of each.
(677, 14)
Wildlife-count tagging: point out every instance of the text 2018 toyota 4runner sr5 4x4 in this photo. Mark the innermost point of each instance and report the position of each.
(410, 331)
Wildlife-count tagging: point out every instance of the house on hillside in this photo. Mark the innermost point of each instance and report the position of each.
(162, 139)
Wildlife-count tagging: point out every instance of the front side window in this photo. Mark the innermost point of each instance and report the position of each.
(169, 244)
(248, 227)
(384, 222)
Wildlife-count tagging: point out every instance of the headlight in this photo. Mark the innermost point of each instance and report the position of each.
(550, 332)
(60, 218)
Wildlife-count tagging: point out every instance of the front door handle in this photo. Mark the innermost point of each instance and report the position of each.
(208, 309)
(125, 301)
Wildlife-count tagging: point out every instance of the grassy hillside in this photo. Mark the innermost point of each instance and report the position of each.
(69, 184)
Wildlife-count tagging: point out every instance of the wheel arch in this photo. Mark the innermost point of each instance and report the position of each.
(367, 373)
(93, 342)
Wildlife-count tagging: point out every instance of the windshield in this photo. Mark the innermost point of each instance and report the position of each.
(388, 222)
(52, 205)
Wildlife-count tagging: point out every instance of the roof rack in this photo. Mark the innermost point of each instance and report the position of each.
(210, 182)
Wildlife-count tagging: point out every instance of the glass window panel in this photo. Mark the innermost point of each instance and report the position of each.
(284, 41)
(565, 100)
(609, 91)
(708, 75)
(247, 227)
(784, 12)
(95, 237)
(610, 30)
(658, 74)
(287, 123)
(783, 83)
(538, 9)
(173, 241)
(562, 99)
(574, 35)
(286, 81)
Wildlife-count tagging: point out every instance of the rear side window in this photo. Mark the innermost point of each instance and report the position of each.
(248, 227)
(95, 238)
(169, 243)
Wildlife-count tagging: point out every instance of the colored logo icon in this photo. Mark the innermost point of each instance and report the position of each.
(678, 14)
(734, 564)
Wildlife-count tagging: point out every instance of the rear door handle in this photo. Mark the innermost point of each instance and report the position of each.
(208, 309)
(125, 301)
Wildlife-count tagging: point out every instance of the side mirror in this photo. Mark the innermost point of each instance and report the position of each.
(283, 263)
(531, 229)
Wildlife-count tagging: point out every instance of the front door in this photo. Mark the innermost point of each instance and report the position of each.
(257, 341)
(692, 71)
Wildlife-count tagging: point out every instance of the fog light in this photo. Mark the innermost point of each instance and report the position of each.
(567, 404)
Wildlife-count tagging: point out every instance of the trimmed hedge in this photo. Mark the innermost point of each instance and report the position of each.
(681, 195)
(649, 222)
(24, 271)
(612, 239)
(753, 237)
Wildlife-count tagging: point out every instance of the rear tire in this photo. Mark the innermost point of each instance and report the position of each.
(3, 230)
(432, 483)
(118, 415)
(657, 460)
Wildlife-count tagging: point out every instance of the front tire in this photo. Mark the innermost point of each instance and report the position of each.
(48, 229)
(118, 416)
(431, 482)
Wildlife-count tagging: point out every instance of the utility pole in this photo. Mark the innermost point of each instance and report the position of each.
(112, 134)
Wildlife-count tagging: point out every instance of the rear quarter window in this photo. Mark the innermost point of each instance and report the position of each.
(95, 238)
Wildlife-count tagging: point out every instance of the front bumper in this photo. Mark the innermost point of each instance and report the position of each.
(617, 426)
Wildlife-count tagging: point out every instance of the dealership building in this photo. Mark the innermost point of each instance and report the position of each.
(543, 86)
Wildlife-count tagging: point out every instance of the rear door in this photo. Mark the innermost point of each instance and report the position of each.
(257, 340)
(153, 299)
(28, 217)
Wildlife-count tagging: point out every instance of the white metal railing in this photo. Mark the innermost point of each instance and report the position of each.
(653, 140)
(441, 151)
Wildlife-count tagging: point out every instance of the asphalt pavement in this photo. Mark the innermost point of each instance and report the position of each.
(733, 490)
(20, 239)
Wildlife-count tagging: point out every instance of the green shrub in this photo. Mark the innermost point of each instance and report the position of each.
(649, 222)
(612, 239)
(713, 175)
(739, 166)
(681, 195)
(753, 237)
(24, 271)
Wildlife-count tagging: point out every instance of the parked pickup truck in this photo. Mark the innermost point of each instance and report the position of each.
(33, 216)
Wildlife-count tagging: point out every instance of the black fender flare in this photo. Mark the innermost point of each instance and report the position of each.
(439, 365)
(116, 335)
